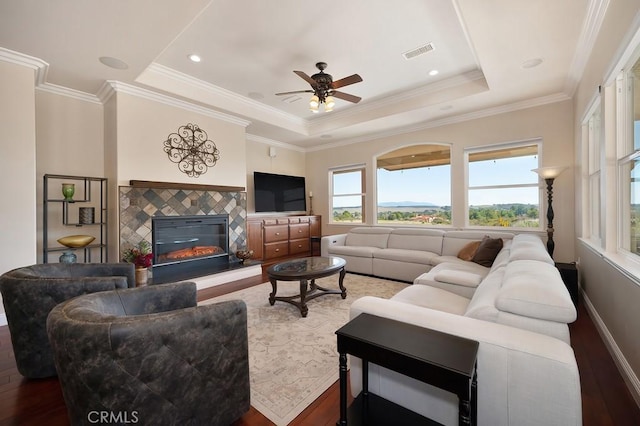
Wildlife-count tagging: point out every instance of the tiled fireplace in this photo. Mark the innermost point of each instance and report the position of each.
(138, 205)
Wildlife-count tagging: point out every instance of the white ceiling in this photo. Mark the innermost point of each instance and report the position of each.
(249, 50)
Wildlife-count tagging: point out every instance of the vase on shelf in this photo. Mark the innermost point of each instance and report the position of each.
(86, 215)
(142, 276)
(68, 189)
(68, 256)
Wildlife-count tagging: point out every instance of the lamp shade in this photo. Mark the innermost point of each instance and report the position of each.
(549, 172)
(329, 102)
(314, 102)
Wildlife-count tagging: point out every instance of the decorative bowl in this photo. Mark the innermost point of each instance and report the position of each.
(244, 254)
(76, 241)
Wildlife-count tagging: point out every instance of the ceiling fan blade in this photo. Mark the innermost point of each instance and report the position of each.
(346, 96)
(295, 91)
(306, 78)
(355, 78)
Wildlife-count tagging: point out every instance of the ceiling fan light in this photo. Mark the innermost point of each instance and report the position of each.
(314, 102)
(329, 103)
(327, 108)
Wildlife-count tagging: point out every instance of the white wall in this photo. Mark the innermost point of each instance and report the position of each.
(287, 161)
(69, 135)
(17, 169)
(612, 294)
(551, 122)
(142, 127)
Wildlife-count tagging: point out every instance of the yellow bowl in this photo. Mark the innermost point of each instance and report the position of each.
(76, 241)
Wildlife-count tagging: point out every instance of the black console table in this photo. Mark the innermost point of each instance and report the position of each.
(440, 359)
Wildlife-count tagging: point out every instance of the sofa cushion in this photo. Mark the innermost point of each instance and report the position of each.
(529, 247)
(468, 251)
(416, 239)
(400, 255)
(453, 241)
(433, 298)
(502, 259)
(487, 251)
(535, 289)
(356, 251)
(368, 237)
(467, 279)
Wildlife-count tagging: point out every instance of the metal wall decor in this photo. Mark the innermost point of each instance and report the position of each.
(192, 150)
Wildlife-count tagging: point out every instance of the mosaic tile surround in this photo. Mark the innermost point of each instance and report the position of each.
(138, 205)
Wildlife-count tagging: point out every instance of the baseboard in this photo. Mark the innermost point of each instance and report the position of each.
(227, 276)
(625, 369)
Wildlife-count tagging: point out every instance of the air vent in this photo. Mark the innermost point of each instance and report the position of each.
(418, 51)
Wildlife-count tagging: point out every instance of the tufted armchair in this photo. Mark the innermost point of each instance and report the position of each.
(151, 355)
(29, 294)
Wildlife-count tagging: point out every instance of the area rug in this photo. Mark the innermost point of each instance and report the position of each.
(293, 360)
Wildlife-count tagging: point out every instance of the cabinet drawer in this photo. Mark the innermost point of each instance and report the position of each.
(299, 246)
(298, 230)
(276, 233)
(274, 250)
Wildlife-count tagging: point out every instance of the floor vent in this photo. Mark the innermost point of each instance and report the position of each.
(418, 51)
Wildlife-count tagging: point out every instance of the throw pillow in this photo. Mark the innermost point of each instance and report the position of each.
(487, 251)
(467, 252)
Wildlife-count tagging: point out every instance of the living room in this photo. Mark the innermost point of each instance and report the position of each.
(117, 132)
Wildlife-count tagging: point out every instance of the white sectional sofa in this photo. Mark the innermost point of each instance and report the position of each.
(400, 253)
(518, 309)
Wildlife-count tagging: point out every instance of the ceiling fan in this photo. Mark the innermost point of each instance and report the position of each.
(324, 88)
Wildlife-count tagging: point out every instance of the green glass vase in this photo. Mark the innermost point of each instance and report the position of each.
(68, 189)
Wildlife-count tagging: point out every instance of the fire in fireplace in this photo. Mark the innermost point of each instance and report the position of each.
(189, 246)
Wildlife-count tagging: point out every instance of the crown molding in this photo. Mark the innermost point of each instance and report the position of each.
(587, 39)
(229, 97)
(70, 93)
(41, 69)
(487, 112)
(38, 65)
(119, 87)
(271, 142)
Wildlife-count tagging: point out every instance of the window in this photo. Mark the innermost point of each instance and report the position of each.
(592, 131)
(347, 194)
(629, 158)
(414, 186)
(502, 189)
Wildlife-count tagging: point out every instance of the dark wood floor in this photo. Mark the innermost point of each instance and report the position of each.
(605, 398)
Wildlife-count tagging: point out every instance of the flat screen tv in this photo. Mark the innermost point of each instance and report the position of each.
(279, 193)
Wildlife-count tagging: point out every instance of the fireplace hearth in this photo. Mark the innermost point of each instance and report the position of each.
(189, 246)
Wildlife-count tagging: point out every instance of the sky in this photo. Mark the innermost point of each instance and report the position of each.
(432, 184)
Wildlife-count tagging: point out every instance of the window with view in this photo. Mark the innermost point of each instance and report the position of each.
(502, 189)
(414, 186)
(347, 195)
(629, 159)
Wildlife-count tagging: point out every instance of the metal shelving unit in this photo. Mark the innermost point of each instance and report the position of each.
(86, 187)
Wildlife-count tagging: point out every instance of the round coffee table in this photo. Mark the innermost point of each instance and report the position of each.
(304, 270)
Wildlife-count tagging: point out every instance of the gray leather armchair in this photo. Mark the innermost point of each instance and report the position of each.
(151, 354)
(29, 294)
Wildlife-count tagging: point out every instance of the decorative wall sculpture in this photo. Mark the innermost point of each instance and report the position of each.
(192, 150)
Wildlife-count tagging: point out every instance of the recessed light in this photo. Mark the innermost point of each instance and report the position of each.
(433, 72)
(531, 63)
(113, 62)
(194, 58)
